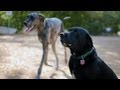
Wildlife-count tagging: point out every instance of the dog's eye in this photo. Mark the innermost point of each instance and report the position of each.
(75, 31)
(31, 17)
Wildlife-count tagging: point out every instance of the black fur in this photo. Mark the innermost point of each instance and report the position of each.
(79, 42)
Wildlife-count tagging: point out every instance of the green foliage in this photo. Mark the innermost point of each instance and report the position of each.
(94, 21)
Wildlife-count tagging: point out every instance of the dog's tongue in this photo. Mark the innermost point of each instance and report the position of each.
(27, 29)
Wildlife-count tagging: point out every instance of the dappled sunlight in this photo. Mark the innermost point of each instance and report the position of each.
(108, 48)
(97, 46)
(112, 54)
(20, 60)
(21, 52)
(21, 56)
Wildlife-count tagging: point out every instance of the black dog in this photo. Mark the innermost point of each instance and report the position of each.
(84, 62)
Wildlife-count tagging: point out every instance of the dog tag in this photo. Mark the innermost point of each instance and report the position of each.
(82, 62)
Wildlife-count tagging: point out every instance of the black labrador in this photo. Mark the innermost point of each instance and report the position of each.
(84, 62)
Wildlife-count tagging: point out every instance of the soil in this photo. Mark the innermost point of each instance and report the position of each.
(20, 56)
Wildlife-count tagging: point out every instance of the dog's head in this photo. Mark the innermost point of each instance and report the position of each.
(32, 21)
(77, 39)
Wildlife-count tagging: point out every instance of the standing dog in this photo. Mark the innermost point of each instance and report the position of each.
(84, 62)
(48, 30)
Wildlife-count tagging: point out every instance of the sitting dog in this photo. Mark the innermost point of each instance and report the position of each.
(84, 62)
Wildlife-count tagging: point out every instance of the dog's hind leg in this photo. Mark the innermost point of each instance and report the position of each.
(54, 51)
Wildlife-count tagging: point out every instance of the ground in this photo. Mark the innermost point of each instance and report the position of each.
(20, 56)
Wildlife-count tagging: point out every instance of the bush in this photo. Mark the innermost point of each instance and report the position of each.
(94, 21)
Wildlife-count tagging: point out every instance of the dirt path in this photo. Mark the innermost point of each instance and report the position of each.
(108, 49)
(20, 56)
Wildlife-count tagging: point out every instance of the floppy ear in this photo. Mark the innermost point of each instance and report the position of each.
(89, 40)
(41, 16)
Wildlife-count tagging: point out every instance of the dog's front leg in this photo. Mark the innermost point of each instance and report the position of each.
(44, 58)
(73, 76)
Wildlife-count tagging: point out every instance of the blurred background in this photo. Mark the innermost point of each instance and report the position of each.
(97, 22)
(20, 54)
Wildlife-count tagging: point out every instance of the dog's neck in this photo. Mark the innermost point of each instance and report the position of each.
(41, 32)
(79, 51)
(40, 27)
(86, 58)
(84, 54)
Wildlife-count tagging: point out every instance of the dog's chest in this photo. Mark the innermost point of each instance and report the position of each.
(86, 73)
(89, 71)
(41, 36)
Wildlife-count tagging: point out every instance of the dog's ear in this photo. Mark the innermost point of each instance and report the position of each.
(89, 40)
(77, 33)
(41, 16)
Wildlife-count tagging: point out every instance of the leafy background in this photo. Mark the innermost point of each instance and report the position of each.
(94, 21)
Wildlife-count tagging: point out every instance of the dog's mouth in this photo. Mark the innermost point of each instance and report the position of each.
(29, 29)
(66, 44)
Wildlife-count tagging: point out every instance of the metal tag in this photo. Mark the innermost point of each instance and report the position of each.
(82, 62)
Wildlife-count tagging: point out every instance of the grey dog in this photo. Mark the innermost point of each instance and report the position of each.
(48, 30)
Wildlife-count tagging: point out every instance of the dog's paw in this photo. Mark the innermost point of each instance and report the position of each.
(37, 77)
(73, 76)
(48, 64)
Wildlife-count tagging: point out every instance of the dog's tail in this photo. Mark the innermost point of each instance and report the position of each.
(67, 18)
(62, 25)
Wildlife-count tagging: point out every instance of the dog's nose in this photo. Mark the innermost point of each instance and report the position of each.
(25, 23)
(61, 35)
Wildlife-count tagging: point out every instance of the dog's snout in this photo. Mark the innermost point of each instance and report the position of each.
(61, 35)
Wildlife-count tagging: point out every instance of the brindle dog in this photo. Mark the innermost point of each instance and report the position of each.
(48, 30)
